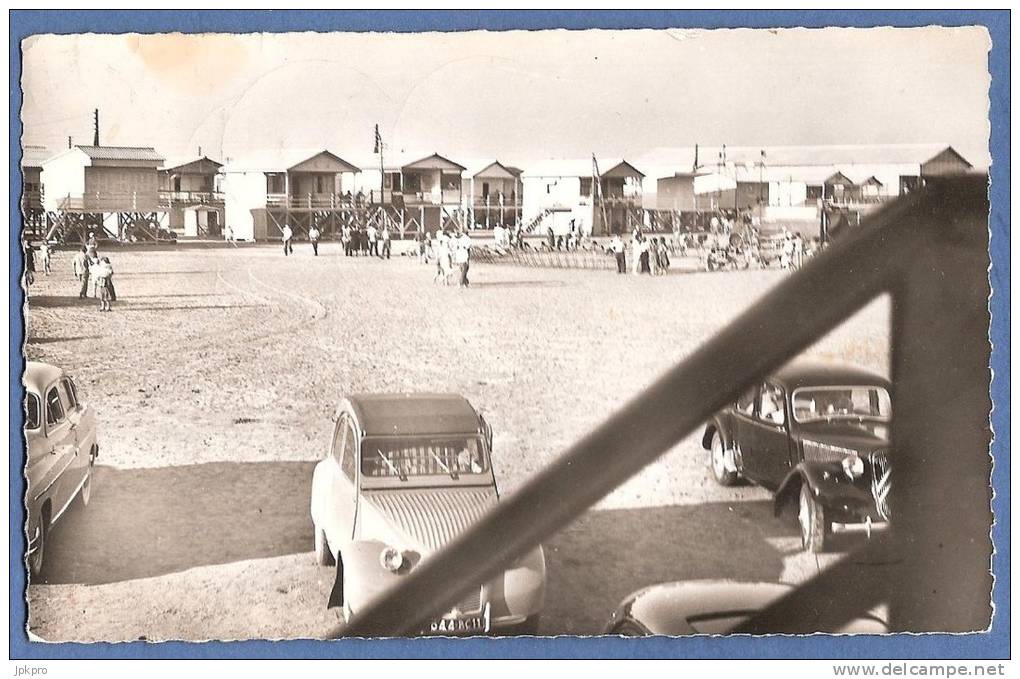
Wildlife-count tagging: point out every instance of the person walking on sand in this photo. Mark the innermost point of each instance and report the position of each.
(313, 236)
(230, 236)
(444, 260)
(373, 240)
(463, 257)
(44, 255)
(663, 257)
(620, 251)
(635, 251)
(345, 239)
(86, 278)
(79, 264)
(29, 261)
(287, 236)
(101, 272)
(385, 235)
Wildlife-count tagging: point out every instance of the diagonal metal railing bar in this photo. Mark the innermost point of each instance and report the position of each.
(788, 319)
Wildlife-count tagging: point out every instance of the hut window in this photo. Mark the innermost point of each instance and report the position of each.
(451, 182)
(274, 183)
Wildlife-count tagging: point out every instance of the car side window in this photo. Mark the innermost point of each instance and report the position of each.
(54, 410)
(350, 449)
(745, 403)
(67, 395)
(772, 406)
(74, 392)
(338, 438)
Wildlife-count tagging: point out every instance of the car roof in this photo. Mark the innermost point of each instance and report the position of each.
(413, 414)
(813, 372)
(38, 376)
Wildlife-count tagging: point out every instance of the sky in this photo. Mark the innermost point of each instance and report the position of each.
(519, 96)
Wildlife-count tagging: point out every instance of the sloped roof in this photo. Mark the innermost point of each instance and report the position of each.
(33, 156)
(489, 167)
(121, 153)
(433, 161)
(681, 158)
(577, 167)
(277, 160)
(181, 161)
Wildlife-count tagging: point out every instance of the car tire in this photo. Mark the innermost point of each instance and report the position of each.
(36, 558)
(85, 494)
(323, 556)
(814, 527)
(716, 460)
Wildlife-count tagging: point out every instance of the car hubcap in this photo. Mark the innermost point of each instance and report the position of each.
(86, 488)
(805, 518)
(718, 458)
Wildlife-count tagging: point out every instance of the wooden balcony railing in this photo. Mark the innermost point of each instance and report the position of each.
(170, 198)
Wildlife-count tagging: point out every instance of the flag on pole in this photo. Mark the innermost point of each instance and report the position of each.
(378, 141)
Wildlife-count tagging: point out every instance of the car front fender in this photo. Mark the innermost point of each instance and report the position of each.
(828, 483)
(363, 573)
(717, 423)
(520, 590)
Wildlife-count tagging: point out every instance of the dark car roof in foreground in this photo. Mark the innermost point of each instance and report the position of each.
(414, 414)
(813, 372)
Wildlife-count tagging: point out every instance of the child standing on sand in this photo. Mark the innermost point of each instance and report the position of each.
(101, 272)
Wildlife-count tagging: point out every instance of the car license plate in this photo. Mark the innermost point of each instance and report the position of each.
(472, 624)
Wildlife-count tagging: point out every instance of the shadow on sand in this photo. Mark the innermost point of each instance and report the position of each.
(148, 522)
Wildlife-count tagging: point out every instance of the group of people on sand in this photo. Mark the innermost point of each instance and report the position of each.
(358, 240)
(366, 241)
(95, 273)
(449, 250)
(648, 255)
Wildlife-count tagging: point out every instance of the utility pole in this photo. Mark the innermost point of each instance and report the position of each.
(95, 128)
(382, 169)
(69, 142)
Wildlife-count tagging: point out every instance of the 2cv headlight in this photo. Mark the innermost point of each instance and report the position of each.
(853, 466)
(391, 559)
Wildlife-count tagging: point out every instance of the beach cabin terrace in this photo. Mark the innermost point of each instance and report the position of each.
(492, 194)
(189, 191)
(263, 192)
(112, 188)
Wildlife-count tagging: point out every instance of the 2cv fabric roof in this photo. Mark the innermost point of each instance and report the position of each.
(414, 414)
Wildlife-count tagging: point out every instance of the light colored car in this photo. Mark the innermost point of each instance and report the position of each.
(60, 430)
(713, 607)
(405, 474)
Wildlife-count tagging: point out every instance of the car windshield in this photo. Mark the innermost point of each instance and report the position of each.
(32, 412)
(423, 456)
(828, 403)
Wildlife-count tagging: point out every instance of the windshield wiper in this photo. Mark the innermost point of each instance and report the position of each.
(400, 475)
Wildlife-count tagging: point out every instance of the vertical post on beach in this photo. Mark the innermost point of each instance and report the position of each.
(940, 433)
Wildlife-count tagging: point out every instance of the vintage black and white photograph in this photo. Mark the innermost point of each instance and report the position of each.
(525, 333)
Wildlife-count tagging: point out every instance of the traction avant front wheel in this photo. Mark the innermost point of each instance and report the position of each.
(717, 460)
(814, 527)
